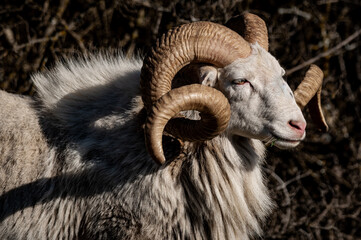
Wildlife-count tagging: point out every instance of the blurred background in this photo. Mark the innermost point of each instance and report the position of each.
(316, 187)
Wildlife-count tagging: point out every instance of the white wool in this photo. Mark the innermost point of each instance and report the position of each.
(89, 174)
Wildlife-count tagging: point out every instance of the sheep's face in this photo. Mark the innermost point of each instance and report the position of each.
(262, 104)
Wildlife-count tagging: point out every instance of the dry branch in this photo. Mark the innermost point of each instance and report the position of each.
(324, 54)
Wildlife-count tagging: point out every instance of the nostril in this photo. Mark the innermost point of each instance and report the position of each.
(294, 125)
(297, 125)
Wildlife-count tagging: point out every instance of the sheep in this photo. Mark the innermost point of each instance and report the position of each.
(85, 159)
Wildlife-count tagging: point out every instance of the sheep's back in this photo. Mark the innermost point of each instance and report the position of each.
(22, 144)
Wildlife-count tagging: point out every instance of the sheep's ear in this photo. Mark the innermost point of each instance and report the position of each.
(196, 73)
(208, 75)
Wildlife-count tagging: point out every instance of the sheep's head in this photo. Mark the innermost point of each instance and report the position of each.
(240, 90)
(262, 104)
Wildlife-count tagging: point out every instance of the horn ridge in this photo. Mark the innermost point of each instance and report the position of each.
(215, 115)
(194, 42)
(309, 92)
(199, 41)
(309, 86)
(251, 27)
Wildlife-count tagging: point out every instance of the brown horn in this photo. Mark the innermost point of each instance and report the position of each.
(251, 27)
(195, 42)
(190, 97)
(309, 91)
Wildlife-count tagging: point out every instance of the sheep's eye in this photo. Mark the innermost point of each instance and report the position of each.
(239, 81)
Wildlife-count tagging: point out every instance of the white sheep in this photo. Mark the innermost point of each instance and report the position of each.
(74, 162)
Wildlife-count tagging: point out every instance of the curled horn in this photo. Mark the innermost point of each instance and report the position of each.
(214, 119)
(251, 27)
(195, 42)
(309, 92)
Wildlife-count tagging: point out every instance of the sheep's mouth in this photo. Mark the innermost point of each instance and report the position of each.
(283, 143)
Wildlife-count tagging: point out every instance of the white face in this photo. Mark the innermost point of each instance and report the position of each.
(262, 104)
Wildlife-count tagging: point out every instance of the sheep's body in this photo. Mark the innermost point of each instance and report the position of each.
(20, 150)
(74, 165)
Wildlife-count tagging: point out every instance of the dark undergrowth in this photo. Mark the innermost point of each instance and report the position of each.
(316, 187)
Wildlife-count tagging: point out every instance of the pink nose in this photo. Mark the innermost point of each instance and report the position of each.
(298, 126)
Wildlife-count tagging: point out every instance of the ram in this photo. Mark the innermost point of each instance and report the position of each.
(96, 156)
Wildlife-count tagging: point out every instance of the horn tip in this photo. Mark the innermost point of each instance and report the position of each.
(153, 144)
(157, 157)
(160, 160)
